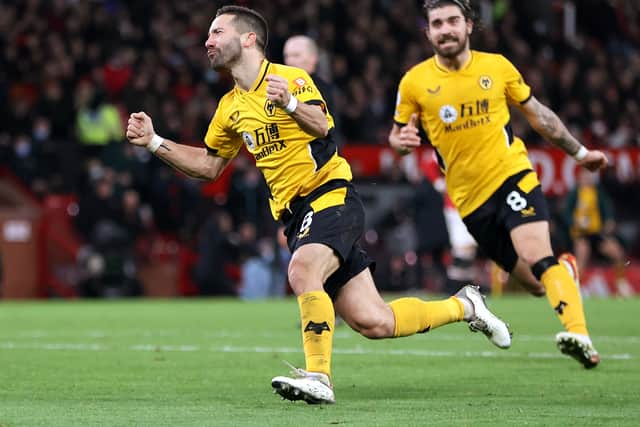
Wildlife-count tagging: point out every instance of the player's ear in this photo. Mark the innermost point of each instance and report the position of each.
(469, 26)
(248, 39)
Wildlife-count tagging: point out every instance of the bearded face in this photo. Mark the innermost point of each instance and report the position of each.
(223, 43)
(450, 45)
(224, 55)
(448, 31)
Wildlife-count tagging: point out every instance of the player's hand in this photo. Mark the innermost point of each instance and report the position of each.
(278, 90)
(409, 138)
(594, 160)
(140, 129)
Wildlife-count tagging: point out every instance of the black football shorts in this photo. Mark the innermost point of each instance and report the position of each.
(519, 200)
(332, 215)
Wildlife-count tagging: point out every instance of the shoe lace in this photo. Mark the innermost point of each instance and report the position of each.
(301, 373)
(296, 372)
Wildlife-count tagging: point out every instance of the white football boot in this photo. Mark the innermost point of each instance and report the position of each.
(484, 320)
(575, 345)
(579, 347)
(312, 387)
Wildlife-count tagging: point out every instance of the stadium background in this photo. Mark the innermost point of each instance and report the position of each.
(85, 214)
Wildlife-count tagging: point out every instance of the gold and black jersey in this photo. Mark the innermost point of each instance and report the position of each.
(293, 162)
(465, 114)
(587, 219)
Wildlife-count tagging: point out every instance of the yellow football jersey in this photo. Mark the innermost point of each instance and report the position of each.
(586, 216)
(293, 162)
(465, 113)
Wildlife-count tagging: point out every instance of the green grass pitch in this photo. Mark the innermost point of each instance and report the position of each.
(209, 363)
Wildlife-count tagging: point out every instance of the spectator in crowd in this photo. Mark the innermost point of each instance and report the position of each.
(261, 276)
(590, 218)
(98, 122)
(302, 51)
(216, 251)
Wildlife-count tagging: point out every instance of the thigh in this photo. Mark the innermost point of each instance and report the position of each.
(611, 248)
(491, 236)
(310, 267)
(582, 248)
(523, 212)
(532, 241)
(360, 305)
(521, 201)
(334, 219)
(353, 265)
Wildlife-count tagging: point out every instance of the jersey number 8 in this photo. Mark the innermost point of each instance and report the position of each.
(516, 201)
(306, 222)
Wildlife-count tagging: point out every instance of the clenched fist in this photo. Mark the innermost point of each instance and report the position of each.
(278, 90)
(140, 129)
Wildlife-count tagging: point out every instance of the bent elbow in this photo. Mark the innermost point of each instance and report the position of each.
(212, 175)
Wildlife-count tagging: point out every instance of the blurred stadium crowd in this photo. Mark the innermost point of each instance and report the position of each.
(71, 72)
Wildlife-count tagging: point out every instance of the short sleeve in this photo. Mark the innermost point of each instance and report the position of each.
(405, 103)
(516, 90)
(220, 139)
(303, 87)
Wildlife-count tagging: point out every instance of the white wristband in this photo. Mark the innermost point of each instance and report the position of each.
(292, 105)
(581, 154)
(155, 143)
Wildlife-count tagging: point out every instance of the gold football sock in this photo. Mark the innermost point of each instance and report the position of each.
(318, 320)
(416, 316)
(564, 296)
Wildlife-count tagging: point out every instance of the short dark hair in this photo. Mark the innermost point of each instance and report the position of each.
(248, 20)
(464, 5)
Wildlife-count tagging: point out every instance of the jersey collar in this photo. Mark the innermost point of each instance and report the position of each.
(261, 75)
(464, 66)
(264, 68)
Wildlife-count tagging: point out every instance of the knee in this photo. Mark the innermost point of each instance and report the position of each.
(538, 292)
(375, 326)
(531, 258)
(297, 270)
(301, 276)
(377, 331)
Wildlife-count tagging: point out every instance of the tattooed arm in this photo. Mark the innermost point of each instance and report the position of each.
(549, 125)
(195, 162)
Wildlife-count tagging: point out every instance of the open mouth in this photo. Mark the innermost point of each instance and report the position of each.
(447, 41)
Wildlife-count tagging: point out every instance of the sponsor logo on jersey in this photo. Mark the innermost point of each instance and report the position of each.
(448, 114)
(303, 89)
(528, 212)
(485, 82)
(435, 91)
(249, 141)
(300, 82)
(270, 149)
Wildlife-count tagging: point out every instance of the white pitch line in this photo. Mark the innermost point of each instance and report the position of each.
(248, 350)
(339, 334)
